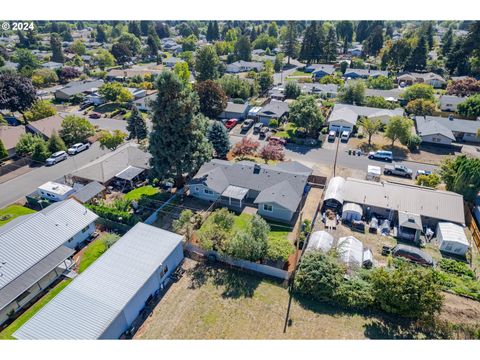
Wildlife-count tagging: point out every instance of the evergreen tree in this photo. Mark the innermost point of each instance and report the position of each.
(216, 31)
(312, 45)
(134, 28)
(152, 45)
(40, 151)
(418, 58)
(253, 34)
(330, 48)
(55, 143)
(243, 48)
(218, 136)
(362, 30)
(374, 42)
(345, 33)
(207, 63)
(4, 152)
(101, 36)
(56, 46)
(178, 143)
(145, 27)
(290, 43)
(447, 42)
(136, 126)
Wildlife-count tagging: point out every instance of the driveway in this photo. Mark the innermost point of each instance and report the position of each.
(22, 185)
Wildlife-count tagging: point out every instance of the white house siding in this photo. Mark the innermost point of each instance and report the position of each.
(198, 192)
(33, 291)
(339, 126)
(278, 213)
(81, 236)
(436, 139)
(471, 138)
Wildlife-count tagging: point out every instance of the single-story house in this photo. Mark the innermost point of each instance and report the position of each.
(450, 102)
(144, 103)
(451, 238)
(244, 66)
(46, 126)
(320, 70)
(86, 194)
(78, 87)
(393, 95)
(388, 200)
(277, 93)
(10, 136)
(355, 50)
(172, 61)
(410, 78)
(122, 74)
(235, 111)
(52, 65)
(125, 163)
(324, 90)
(55, 191)
(104, 301)
(444, 131)
(273, 110)
(276, 190)
(344, 116)
(35, 250)
(363, 73)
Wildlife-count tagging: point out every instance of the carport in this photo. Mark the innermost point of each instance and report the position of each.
(129, 174)
(236, 193)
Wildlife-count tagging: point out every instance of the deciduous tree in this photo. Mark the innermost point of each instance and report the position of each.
(76, 129)
(111, 140)
(398, 128)
(272, 152)
(305, 112)
(245, 147)
(212, 98)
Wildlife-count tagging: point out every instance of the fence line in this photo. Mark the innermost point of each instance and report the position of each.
(472, 225)
(197, 252)
(152, 218)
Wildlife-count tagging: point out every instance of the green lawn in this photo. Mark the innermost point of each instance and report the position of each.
(277, 231)
(300, 73)
(12, 211)
(95, 250)
(137, 193)
(6, 334)
(287, 132)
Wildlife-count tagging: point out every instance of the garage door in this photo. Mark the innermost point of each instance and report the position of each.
(340, 128)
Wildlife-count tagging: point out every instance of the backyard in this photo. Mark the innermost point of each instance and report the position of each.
(10, 212)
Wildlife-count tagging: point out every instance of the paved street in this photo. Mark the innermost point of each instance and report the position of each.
(22, 185)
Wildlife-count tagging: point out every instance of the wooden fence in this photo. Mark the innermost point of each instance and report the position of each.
(472, 225)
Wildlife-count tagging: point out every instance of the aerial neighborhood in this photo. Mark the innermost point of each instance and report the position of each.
(240, 180)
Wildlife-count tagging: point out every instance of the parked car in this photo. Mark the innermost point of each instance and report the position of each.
(257, 127)
(230, 124)
(85, 105)
(94, 115)
(345, 136)
(76, 148)
(422, 172)
(277, 140)
(331, 136)
(381, 155)
(247, 124)
(398, 170)
(264, 131)
(413, 254)
(56, 157)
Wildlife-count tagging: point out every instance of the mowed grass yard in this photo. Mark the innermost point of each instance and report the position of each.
(10, 212)
(213, 303)
(276, 231)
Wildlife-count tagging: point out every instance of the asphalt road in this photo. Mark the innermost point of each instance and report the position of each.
(22, 185)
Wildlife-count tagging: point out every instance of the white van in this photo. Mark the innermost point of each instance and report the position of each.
(345, 135)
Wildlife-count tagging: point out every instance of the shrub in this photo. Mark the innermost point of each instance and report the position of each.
(279, 248)
(273, 123)
(456, 267)
(355, 293)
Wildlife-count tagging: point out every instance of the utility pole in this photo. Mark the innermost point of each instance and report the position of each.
(336, 154)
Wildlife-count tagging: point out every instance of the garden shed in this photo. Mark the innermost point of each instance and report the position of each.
(335, 193)
(452, 239)
(351, 212)
(320, 240)
(350, 251)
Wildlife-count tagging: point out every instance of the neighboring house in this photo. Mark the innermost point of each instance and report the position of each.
(320, 70)
(144, 103)
(137, 93)
(172, 61)
(356, 50)
(444, 131)
(450, 102)
(55, 191)
(78, 87)
(363, 73)
(432, 79)
(235, 111)
(324, 90)
(424, 206)
(35, 250)
(244, 66)
(276, 190)
(126, 163)
(87, 194)
(46, 126)
(52, 65)
(104, 301)
(273, 110)
(123, 74)
(344, 116)
(393, 95)
(277, 93)
(10, 136)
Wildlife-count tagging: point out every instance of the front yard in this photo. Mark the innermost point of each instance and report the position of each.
(10, 212)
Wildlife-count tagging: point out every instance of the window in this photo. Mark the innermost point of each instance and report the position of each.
(85, 228)
(208, 191)
(267, 207)
(70, 240)
(163, 271)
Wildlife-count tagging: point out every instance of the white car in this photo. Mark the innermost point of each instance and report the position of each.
(345, 136)
(76, 148)
(56, 157)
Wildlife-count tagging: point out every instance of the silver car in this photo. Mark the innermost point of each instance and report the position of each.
(56, 157)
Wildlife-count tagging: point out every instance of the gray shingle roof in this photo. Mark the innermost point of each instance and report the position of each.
(78, 87)
(274, 109)
(88, 305)
(432, 127)
(453, 124)
(365, 72)
(89, 191)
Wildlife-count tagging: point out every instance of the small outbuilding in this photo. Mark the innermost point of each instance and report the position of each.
(374, 172)
(350, 251)
(54, 191)
(320, 241)
(452, 239)
(351, 212)
(335, 193)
